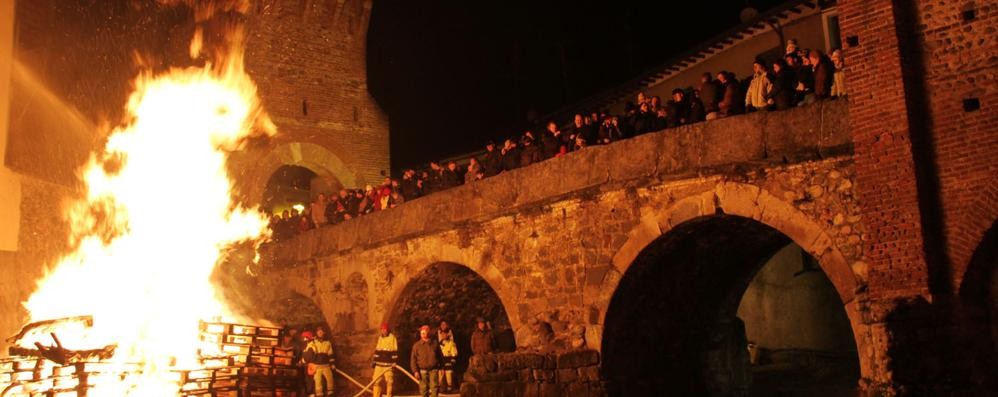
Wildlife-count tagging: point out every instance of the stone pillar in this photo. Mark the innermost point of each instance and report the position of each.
(10, 185)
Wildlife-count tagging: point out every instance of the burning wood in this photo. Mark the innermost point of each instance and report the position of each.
(236, 360)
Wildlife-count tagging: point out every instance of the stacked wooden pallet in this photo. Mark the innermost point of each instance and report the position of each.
(37, 377)
(266, 369)
(236, 361)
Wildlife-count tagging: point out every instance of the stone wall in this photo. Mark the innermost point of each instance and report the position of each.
(570, 373)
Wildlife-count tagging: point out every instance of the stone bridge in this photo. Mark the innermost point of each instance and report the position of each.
(575, 244)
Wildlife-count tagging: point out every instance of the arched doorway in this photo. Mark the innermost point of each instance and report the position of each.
(454, 293)
(288, 187)
(681, 318)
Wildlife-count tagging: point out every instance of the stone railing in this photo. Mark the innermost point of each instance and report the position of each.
(572, 373)
(723, 146)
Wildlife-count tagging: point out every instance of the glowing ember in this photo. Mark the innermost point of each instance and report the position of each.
(157, 218)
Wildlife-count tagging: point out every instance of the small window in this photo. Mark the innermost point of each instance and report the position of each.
(833, 38)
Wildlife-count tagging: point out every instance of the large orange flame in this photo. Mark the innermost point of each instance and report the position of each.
(157, 217)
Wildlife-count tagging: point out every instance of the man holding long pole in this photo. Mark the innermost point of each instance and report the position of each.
(386, 355)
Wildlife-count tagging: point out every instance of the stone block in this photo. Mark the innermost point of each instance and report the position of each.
(568, 375)
(639, 156)
(733, 140)
(544, 375)
(577, 389)
(835, 132)
(793, 134)
(680, 149)
(589, 374)
(531, 389)
(549, 390)
(525, 375)
(491, 389)
(510, 389)
(578, 359)
(532, 360)
(550, 361)
(469, 389)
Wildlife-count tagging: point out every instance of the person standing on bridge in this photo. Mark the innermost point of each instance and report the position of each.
(386, 355)
(319, 355)
(425, 362)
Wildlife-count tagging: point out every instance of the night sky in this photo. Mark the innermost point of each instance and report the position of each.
(453, 74)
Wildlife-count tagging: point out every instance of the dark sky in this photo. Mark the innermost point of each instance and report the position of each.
(454, 74)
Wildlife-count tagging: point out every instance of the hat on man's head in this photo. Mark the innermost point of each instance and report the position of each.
(383, 326)
(425, 327)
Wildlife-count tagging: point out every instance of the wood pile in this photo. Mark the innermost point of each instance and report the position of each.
(236, 361)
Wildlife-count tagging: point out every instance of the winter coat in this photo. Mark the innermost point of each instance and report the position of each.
(783, 91)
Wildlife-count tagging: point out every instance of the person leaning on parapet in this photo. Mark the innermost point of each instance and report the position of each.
(755, 96)
(425, 362)
(319, 355)
(482, 340)
(824, 75)
(386, 355)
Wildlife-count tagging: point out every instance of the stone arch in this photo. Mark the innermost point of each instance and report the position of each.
(680, 300)
(430, 255)
(324, 163)
(753, 204)
(408, 285)
(293, 309)
(447, 291)
(748, 201)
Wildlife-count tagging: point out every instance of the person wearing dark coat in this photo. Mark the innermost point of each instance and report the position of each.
(580, 128)
(530, 153)
(804, 76)
(408, 187)
(824, 74)
(678, 109)
(661, 120)
(449, 177)
(553, 140)
(510, 156)
(644, 121)
(697, 111)
(784, 83)
(433, 183)
(491, 161)
(610, 130)
(710, 94)
(731, 103)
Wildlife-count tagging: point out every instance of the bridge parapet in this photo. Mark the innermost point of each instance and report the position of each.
(719, 147)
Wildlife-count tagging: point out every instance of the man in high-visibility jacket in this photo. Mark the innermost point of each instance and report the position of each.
(386, 355)
(319, 354)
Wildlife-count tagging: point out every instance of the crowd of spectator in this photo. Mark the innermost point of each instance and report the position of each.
(799, 78)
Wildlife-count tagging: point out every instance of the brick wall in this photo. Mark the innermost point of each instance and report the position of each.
(959, 59)
(885, 167)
